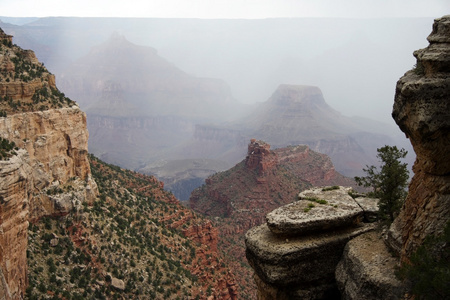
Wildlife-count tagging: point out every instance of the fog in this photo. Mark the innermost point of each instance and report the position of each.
(355, 62)
(161, 93)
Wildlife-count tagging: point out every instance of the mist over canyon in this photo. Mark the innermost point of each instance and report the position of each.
(283, 221)
(147, 112)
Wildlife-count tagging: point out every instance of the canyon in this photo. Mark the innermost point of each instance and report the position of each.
(59, 206)
(183, 128)
(74, 226)
(239, 198)
(307, 251)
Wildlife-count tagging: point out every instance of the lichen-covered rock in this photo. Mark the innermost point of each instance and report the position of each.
(294, 265)
(366, 270)
(317, 210)
(422, 111)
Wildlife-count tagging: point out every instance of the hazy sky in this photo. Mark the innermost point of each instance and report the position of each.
(225, 8)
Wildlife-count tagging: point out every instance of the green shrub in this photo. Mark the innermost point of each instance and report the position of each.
(429, 271)
(330, 188)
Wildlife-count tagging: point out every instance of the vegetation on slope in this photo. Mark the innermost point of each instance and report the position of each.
(7, 149)
(128, 244)
(26, 84)
(239, 198)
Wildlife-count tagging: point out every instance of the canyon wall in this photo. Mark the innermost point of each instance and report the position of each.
(49, 173)
(365, 265)
(421, 110)
(56, 142)
(15, 186)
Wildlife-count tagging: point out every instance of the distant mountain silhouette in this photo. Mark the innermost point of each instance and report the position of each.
(147, 84)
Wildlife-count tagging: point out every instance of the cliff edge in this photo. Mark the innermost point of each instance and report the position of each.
(422, 111)
(49, 173)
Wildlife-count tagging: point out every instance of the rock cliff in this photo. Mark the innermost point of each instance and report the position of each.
(239, 198)
(421, 110)
(15, 186)
(50, 175)
(56, 142)
(296, 252)
(364, 267)
(263, 181)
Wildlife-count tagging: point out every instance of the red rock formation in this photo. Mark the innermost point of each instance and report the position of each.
(265, 180)
(421, 110)
(259, 157)
(203, 233)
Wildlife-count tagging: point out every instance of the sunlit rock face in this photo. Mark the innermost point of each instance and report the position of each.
(422, 111)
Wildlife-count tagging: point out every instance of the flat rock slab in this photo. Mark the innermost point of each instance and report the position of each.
(300, 259)
(317, 210)
(367, 270)
(370, 207)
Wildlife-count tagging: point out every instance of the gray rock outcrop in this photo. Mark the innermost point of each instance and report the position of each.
(366, 270)
(296, 253)
(422, 111)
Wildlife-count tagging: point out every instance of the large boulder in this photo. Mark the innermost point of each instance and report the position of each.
(296, 252)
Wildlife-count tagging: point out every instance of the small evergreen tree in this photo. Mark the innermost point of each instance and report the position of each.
(389, 184)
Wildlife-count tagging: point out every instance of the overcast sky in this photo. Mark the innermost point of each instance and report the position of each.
(248, 9)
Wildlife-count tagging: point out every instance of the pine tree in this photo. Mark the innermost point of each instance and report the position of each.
(389, 184)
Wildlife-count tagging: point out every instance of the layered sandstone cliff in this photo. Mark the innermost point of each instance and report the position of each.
(15, 186)
(50, 175)
(56, 142)
(422, 111)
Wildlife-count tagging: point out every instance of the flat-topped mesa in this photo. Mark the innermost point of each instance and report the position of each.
(296, 253)
(287, 94)
(421, 110)
(259, 157)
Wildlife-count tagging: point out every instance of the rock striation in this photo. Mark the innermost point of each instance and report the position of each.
(56, 141)
(422, 111)
(50, 175)
(15, 186)
(295, 254)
